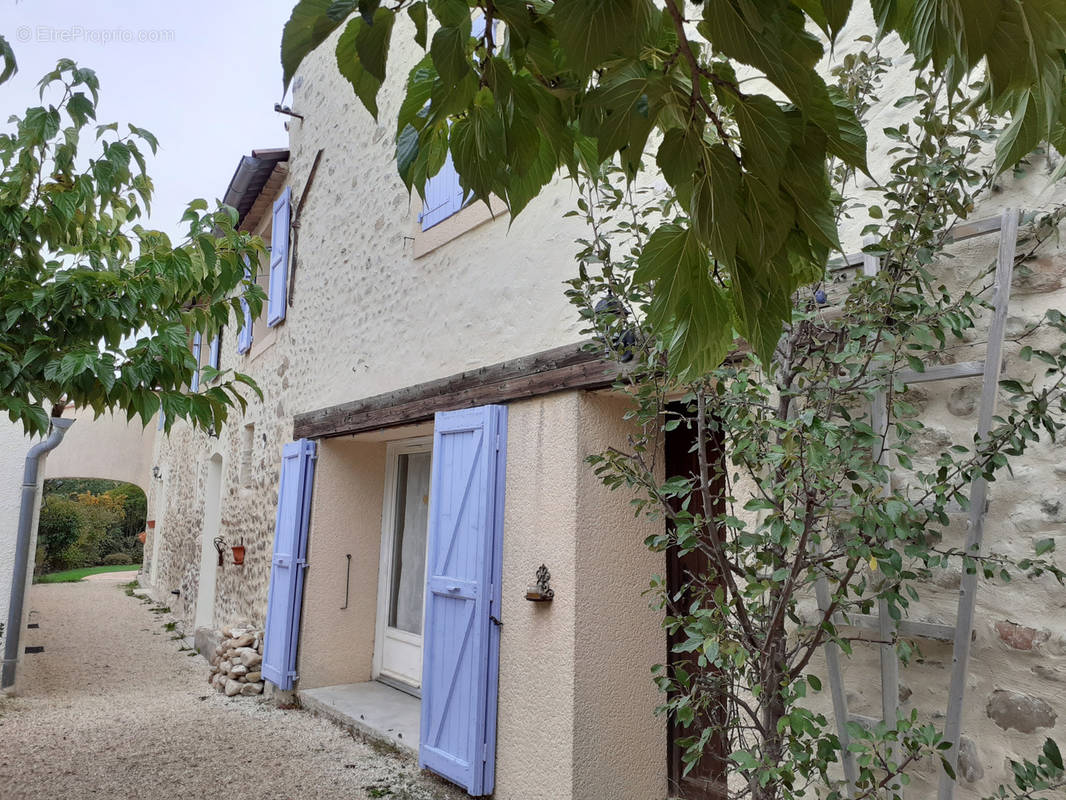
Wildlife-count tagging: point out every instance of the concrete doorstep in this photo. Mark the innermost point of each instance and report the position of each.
(378, 711)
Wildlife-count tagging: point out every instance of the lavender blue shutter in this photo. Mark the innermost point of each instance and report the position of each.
(287, 567)
(244, 335)
(461, 644)
(196, 345)
(444, 195)
(279, 259)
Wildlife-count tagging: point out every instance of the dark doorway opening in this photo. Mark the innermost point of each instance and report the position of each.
(707, 780)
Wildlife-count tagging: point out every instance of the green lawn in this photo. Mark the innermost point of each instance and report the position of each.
(72, 575)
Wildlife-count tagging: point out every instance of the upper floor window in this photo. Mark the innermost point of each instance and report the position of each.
(272, 277)
(444, 195)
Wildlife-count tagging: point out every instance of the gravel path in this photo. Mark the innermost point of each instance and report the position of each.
(112, 709)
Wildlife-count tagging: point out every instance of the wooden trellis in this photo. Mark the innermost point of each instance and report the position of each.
(959, 633)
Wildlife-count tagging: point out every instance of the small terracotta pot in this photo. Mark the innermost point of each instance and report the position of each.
(238, 554)
(142, 536)
(151, 523)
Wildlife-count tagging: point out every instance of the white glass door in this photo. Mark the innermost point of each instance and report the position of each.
(402, 576)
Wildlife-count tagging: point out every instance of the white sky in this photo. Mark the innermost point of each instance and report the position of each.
(204, 80)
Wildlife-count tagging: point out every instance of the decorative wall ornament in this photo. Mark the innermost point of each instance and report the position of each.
(542, 592)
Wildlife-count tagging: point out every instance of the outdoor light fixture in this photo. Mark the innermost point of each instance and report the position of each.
(157, 473)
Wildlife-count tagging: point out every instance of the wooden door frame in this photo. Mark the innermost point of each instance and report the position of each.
(679, 460)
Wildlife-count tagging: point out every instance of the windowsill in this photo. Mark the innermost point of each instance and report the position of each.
(466, 219)
(263, 343)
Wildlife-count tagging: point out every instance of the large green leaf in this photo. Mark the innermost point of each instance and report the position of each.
(772, 38)
(765, 135)
(714, 206)
(364, 83)
(688, 309)
(417, 12)
(477, 143)
(7, 56)
(848, 142)
(372, 43)
(621, 111)
(590, 31)
(449, 52)
(1022, 135)
(309, 26)
(761, 304)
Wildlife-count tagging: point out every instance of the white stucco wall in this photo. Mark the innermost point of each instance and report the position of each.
(13, 446)
(105, 447)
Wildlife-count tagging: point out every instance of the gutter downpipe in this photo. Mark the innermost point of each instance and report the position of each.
(30, 477)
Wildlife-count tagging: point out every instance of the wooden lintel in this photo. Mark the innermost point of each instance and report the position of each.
(568, 367)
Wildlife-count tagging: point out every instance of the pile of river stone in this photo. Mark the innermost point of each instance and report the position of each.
(237, 663)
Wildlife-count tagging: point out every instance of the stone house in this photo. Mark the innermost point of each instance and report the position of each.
(418, 455)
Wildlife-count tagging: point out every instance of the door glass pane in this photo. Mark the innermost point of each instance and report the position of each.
(409, 542)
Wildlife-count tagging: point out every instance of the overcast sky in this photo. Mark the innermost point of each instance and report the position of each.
(202, 76)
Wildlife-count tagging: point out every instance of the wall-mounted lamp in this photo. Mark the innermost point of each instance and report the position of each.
(220, 546)
(542, 592)
(157, 473)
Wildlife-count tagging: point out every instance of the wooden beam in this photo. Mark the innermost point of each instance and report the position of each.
(944, 372)
(908, 629)
(567, 367)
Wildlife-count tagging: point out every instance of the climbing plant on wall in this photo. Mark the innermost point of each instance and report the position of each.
(95, 309)
(722, 100)
(790, 491)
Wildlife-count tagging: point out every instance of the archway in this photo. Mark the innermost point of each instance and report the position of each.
(89, 523)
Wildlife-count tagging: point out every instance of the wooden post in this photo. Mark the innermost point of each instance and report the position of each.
(978, 495)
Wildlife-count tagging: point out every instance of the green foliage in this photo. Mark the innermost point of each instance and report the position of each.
(89, 521)
(1032, 780)
(792, 498)
(95, 309)
(576, 83)
(58, 531)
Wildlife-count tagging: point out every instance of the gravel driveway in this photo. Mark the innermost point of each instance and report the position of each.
(113, 709)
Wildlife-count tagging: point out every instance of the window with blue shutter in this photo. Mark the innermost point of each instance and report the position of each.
(287, 566)
(444, 195)
(461, 641)
(196, 344)
(244, 335)
(279, 259)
